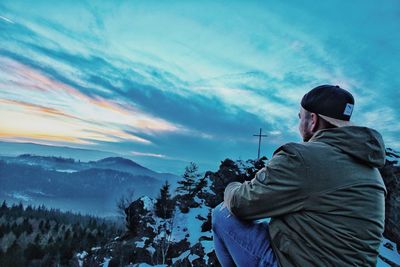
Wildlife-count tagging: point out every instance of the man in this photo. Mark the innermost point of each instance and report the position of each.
(325, 196)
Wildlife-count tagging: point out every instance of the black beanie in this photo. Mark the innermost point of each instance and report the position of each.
(329, 100)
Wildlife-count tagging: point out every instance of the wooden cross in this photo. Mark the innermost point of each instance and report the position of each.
(259, 141)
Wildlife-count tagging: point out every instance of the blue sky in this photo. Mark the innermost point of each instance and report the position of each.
(169, 82)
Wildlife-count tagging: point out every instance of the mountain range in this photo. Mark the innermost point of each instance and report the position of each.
(72, 184)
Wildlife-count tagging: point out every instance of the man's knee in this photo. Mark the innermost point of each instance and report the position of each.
(218, 215)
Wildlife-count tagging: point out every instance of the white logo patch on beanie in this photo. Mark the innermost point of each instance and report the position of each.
(349, 109)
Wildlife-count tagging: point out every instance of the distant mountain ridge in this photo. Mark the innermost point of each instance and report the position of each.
(15, 148)
(71, 165)
(123, 164)
(32, 178)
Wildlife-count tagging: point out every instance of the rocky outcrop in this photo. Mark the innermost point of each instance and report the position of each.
(391, 177)
(139, 218)
(190, 237)
(231, 171)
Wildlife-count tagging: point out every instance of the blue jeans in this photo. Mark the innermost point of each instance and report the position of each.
(241, 243)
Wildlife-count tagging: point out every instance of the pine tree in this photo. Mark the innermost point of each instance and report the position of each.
(67, 234)
(13, 256)
(200, 185)
(33, 252)
(4, 206)
(189, 181)
(56, 227)
(165, 210)
(47, 226)
(37, 239)
(164, 203)
(29, 208)
(29, 229)
(41, 224)
(20, 207)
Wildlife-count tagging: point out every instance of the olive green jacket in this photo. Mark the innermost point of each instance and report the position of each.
(325, 198)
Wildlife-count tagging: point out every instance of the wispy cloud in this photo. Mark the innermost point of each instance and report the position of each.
(6, 19)
(144, 154)
(95, 118)
(199, 86)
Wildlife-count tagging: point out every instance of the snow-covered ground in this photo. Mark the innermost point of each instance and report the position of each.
(187, 225)
(389, 251)
(148, 203)
(393, 156)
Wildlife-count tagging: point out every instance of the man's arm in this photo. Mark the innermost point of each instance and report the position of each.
(276, 190)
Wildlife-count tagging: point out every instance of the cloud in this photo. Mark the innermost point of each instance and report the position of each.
(192, 88)
(7, 19)
(96, 118)
(37, 108)
(144, 154)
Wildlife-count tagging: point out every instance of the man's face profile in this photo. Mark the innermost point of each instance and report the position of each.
(305, 124)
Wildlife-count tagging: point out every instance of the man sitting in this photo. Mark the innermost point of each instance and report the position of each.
(325, 196)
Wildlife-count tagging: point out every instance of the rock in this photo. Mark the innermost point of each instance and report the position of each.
(391, 177)
(138, 219)
(178, 248)
(212, 259)
(232, 171)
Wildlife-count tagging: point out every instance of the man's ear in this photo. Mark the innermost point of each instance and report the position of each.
(314, 122)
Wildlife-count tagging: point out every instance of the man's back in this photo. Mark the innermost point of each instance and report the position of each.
(342, 218)
(325, 198)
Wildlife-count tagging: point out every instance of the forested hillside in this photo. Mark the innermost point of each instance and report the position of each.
(37, 236)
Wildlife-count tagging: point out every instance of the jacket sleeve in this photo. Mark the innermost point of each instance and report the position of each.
(276, 190)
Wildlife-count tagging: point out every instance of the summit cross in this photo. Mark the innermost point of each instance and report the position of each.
(259, 141)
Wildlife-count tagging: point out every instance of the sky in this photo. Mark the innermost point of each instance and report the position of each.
(169, 82)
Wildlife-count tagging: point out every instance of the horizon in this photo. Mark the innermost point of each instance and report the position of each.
(164, 84)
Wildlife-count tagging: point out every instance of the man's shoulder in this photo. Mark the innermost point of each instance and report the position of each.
(299, 147)
(303, 150)
(288, 152)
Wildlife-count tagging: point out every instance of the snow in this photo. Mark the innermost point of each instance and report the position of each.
(207, 189)
(151, 225)
(393, 157)
(265, 220)
(81, 256)
(147, 203)
(244, 165)
(208, 246)
(147, 265)
(106, 262)
(151, 250)
(140, 244)
(193, 257)
(396, 161)
(181, 257)
(189, 222)
(198, 200)
(381, 263)
(389, 254)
